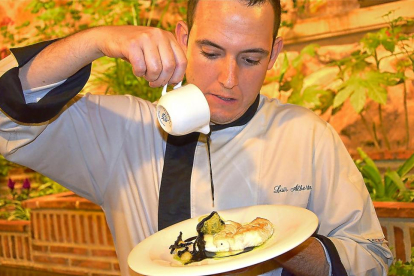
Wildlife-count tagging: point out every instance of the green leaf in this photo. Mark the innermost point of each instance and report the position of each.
(358, 99)
(297, 82)
(24, 24)
(355, 88)
(375, 179)
(295, 98)
(297, 62)
(368, 161)
(310, 49)
(377, 93)
(402, 37)
(285, 86)
(88, 11)
(396, 179)
(341, 97)
(83, 26)
(376, 83)
(311, 94)
(389, 45)
(406, 167)
(371, 174)
(371, 41)
(391, 190)
(284, 68)
(326, 100)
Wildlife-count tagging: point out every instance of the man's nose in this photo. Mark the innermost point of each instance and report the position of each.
(229, 73)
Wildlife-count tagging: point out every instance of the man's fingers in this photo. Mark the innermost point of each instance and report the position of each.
(156, 56)
(153, 62)
(180, 63)
(138, 62)
(168, 64)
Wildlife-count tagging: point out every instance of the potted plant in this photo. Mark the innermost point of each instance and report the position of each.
(394, 185)
(393, 195)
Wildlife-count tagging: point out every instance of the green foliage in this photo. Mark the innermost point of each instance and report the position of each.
(55, 19)
(19, 212)
(4, 167)
(364, 81)
(120, 80)
(400, 268)
(313, 96)
(46, 187)
(11, 206)
(371, 84)
(393, 186)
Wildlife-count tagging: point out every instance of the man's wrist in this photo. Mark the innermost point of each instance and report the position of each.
(328, 259)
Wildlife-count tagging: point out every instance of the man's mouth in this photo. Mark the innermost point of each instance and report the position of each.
(224, 98)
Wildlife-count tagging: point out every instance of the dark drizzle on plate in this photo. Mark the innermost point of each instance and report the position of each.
(199, 252)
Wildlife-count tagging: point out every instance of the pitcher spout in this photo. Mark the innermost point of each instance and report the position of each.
(205, 129)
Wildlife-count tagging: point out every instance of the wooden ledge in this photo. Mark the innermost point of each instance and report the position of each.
(14, 226)
(67, 200)
(394, 209)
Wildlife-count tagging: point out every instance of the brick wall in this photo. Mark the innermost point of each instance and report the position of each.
(78, 240)
(67, 234)
(15, 246)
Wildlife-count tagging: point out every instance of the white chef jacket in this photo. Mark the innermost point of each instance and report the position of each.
(110, 150)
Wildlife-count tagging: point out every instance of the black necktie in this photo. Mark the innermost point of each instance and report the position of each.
(174, 202)
(175, 198)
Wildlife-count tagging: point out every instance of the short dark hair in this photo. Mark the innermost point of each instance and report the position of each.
(277, 10)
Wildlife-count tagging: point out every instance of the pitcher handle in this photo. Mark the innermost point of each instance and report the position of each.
(164, 89)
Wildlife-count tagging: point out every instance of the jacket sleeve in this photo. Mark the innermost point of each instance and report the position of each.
(74, 140)
(349, 227)
(13, 101)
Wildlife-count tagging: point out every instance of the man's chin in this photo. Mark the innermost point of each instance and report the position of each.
(222, 120)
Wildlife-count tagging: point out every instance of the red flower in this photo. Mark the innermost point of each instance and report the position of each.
(388, 33)
(26, 184)
(6, 21)
(4, 52)
(11, 184)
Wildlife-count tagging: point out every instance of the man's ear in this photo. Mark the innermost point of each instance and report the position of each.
(181, 33)
(277, 48)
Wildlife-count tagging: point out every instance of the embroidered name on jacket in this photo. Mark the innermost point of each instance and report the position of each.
(298, 188)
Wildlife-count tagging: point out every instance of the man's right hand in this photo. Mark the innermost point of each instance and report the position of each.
(153, 53)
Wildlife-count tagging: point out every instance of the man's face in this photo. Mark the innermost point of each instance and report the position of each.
(229, 51)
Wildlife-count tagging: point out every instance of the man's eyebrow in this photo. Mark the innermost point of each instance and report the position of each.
(206, 42)
(256, 50)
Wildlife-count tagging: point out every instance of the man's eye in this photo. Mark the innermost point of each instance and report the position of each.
(252, 61)
(209, 55)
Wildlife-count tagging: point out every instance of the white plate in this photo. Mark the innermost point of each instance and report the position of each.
(292, 226)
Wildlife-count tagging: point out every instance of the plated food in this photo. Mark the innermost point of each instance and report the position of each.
(219, 238)
(291, 226)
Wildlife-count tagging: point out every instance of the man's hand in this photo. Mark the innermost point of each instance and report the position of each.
(153, 53)
(307, 259)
